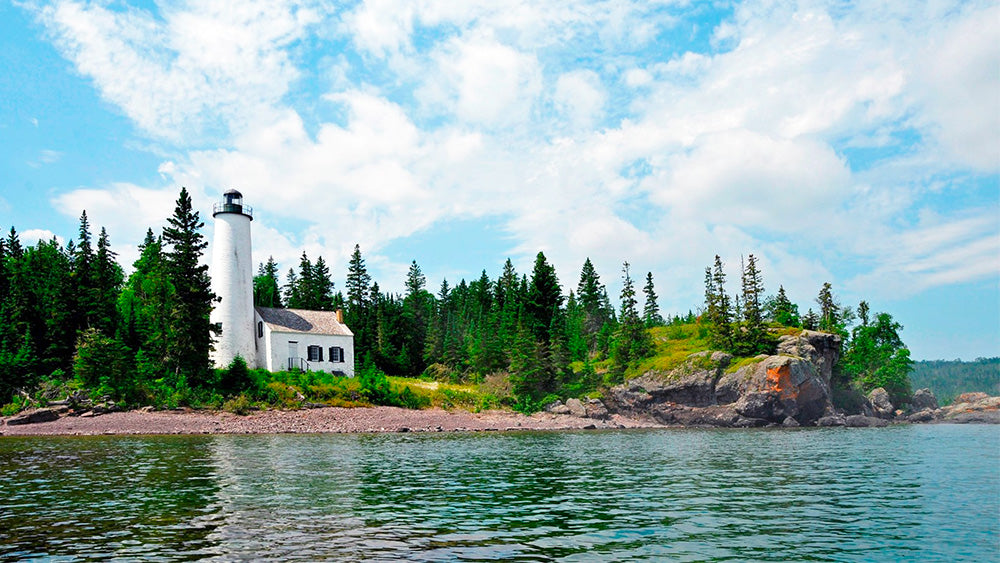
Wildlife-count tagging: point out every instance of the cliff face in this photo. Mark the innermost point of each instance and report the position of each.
(791, 387)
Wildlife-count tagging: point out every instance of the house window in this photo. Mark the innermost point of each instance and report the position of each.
(260, 329)
(315, 354)
(336, 354)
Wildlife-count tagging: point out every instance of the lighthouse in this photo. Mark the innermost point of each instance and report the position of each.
(232, 281)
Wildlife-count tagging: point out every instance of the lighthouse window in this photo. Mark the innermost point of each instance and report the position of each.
(260, 329)
(315, 354)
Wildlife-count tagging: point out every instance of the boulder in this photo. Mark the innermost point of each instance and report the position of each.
(630, 399)
(880, 404)
(925, 415)
(557, 408)
(783, 386)
(596, 409)
(821, 349)
(862, 421)
(34, 416)
(790, 422)
(576, 408)
(923, 399)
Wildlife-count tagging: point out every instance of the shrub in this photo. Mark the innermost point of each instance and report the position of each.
(239, 404)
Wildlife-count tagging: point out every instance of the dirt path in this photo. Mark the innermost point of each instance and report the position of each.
(329, 419)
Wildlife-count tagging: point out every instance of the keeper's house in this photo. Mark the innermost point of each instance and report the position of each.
(307, 340)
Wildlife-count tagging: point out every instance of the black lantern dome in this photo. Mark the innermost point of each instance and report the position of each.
(232, 202)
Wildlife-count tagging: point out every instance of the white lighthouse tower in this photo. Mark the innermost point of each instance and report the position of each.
(232, 281)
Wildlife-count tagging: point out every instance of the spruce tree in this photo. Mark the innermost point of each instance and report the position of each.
(266, 292)
(192, 332)
(651, 310)
(631, 342)
(544, 298)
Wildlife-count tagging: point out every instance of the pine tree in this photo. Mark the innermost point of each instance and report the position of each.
(631, 342)
(651, 310)
(358, 283)
(544, 298)
(108, 278)
(266, 292)
(717, 306)
(320, 287)
(144, 329)
(192, 331)
(415, 280)
(781, 310)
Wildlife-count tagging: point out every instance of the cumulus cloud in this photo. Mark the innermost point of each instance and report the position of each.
(577, 124)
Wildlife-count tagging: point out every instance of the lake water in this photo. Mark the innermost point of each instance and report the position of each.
(913, 493)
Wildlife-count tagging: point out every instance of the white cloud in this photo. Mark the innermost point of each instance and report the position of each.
(33, 236)
(580, 96)
(193, 68)
(444, 112)
(488, 83)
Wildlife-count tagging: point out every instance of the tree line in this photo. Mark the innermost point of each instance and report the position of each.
(69, 312)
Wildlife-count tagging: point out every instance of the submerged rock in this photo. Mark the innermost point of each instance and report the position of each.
(862, 421)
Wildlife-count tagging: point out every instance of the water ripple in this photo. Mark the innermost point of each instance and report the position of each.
(902, 493)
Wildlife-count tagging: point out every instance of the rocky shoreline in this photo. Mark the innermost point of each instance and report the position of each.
(316, 420)
(791, 388)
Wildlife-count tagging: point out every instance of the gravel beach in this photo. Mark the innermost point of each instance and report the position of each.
(320, 420)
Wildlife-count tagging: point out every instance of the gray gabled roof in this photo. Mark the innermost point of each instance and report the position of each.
(303, 321)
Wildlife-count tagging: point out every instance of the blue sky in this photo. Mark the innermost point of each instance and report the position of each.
(856, 143)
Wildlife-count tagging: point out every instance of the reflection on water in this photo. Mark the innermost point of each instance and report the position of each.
(906, 493)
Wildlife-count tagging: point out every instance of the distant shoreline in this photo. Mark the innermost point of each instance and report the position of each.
(329, 420)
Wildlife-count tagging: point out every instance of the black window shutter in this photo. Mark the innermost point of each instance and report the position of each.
(319, 350)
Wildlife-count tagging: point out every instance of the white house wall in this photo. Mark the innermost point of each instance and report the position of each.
(272, 349)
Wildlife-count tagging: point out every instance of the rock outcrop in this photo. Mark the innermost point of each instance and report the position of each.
(34, 416)
(790, 388)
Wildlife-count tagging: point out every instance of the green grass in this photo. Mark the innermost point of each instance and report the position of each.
(738, 363)
(671, 347)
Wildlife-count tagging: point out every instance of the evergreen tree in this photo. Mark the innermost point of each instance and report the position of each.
(811, 320)
(632, 342)
(292, 290)
(192, 332)
(752, 337)
(358, 283)
(544, 298)
(144, 329)
(108, 278)
(415, 280)
(781, 310)
(651, 310)
(717, 306)
(320, 287)
(266, 292)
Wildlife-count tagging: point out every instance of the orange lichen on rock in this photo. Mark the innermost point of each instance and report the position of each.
(779, 380)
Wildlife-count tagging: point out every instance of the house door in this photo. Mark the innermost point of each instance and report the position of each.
(293, 355)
